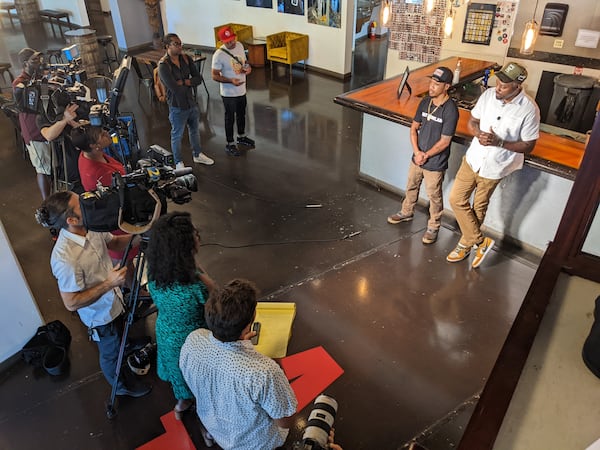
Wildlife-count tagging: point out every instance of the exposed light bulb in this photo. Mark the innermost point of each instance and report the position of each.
(448, 25)
(529, 37)
(429, 4)
(386, 12)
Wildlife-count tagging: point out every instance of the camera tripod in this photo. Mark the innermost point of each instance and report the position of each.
(131, 304)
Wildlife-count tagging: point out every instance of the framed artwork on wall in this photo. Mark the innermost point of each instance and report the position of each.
(291, 7)
(479, 23)
(325, 12)
(260, 3)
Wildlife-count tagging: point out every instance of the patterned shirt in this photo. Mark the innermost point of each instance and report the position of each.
(239, 392)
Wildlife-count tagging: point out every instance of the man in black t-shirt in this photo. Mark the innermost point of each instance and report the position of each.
(431, 133)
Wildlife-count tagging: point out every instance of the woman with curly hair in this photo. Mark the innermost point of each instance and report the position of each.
(179, 288)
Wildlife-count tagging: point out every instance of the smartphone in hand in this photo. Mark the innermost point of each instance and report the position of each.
(256, 328)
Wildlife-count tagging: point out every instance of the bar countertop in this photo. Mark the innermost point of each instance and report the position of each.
(554, 154)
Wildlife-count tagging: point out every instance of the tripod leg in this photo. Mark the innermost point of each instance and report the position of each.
(111, 411)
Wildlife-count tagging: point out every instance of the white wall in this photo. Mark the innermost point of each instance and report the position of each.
(131, 23)
(78, 12)
(327, 46)
(105, 5)
(20, 316)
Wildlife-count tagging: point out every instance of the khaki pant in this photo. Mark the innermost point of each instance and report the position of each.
(470, 218)
(40, 156)
(433, 187)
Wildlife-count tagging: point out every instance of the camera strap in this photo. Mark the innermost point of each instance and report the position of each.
(139, 229)
(44, 96)
(232, 55)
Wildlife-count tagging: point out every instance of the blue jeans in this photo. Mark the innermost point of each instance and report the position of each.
(179, 118)
(108, 347)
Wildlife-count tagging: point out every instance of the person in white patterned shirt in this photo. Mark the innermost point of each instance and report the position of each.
(243, 398)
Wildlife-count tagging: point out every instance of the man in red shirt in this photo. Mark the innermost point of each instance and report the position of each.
(38, 148)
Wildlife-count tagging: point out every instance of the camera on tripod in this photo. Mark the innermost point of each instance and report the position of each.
(135, 200)
(70, 72)
(105, 113)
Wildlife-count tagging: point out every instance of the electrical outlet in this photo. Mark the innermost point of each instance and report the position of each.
(558, 43)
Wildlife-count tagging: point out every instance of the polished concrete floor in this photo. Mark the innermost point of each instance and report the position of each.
(415, 335)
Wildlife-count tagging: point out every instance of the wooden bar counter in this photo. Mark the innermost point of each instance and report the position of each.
(558, 155)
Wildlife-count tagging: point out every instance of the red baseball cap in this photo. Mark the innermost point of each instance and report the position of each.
(226, 35)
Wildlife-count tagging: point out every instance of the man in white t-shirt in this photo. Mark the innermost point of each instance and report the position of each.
(505, 124)
(229, 68)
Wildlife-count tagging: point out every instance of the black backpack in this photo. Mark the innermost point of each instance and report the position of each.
(591, 347)
(48, 348)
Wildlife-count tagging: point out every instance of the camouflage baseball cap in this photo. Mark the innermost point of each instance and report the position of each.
(512, 72)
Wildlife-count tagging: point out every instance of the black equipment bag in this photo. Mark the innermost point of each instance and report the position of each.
(100, 210)
(49, 340)
(591, 347)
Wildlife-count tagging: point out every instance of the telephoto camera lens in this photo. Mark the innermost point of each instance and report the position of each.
(319, 423)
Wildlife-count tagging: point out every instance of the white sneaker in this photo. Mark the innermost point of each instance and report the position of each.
(180, 165)
(203, 159)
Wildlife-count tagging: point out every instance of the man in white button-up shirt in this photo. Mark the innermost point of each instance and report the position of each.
(505, 124)
(88, 282)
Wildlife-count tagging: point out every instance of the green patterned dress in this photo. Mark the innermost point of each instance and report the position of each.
(180, 311)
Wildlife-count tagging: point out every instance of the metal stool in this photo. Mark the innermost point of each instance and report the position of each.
(56, 54)
(109, 59)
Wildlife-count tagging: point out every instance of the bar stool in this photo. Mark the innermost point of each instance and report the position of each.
(8, 6)
(105, 41)
(4, 70)
(56, 54)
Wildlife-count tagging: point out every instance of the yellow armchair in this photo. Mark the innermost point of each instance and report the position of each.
(287, 47)
(243, 33)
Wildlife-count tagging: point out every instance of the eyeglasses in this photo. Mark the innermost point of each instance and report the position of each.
(176, 44)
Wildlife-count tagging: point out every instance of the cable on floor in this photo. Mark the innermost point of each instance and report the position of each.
(300, 241)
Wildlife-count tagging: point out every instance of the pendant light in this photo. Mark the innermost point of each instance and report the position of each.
(448, 25)
(386, 11)
(532, 30)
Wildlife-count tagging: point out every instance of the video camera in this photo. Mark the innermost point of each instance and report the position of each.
(54, 86)
(134, 201)
(105, 114)
(67, 73)
(320, 421)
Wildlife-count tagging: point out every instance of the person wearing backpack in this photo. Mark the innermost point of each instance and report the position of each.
(180, 77)
(229, 68)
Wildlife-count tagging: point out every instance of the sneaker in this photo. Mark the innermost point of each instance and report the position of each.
(482, 250)
(459, 253)
(399, 217)
(203, 159)
(232, 149)
(180, 165)
(245, 141)
(430, 236)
